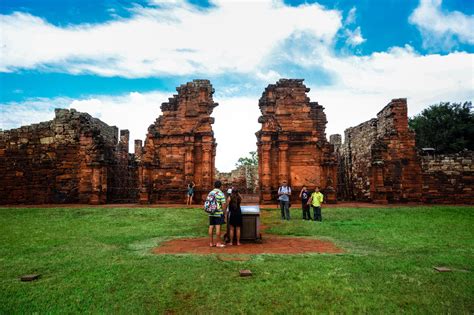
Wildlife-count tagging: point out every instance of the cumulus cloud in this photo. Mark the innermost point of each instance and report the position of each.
(354, 38)
(351, 16)
(442, 30)
(232, 37)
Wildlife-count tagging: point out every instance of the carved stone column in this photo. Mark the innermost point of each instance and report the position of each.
(265, 189)
(206, 165)
(283, 163)
(189, 162)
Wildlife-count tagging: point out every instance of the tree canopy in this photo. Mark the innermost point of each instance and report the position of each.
(251, 160)
(446, 127)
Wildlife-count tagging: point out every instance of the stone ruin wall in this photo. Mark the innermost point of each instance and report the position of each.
(448, 178)
(292, 142)
(180, 147)
(65, 160)
(379, 161)
(244, 178)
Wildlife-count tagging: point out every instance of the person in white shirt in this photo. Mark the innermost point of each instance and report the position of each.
(284, 193)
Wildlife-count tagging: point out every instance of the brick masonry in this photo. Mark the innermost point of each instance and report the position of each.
(244, 178)
(76, 158)
(65, 160)
(379, 162)
(448, 178)
(180, 147)
(292, 142)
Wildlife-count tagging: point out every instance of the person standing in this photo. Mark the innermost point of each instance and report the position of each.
(304, 196)
(284, 193)
(216, 219)
(316, 200)
(190, 193)
(235, 216)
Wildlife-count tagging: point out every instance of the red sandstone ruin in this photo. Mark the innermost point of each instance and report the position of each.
(76, 158)
(292, 143)
(180, 146)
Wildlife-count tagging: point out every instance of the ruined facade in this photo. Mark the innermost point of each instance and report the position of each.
(244, 178)
(292, 142)
(179, 147)
(379, 161)
(76, 158)
(65, 160)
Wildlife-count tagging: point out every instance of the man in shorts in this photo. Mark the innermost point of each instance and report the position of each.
(217, 218)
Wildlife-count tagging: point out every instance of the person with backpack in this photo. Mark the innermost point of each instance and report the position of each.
(284, 193)
(304, 195)
(235, 216)
(214, 206)
(315, 201)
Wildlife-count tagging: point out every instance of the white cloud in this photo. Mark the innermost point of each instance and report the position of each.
(174, 38)
(354, 38)
(351, 16)
(441, 29)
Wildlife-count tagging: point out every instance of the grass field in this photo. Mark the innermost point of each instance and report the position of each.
(98, 260)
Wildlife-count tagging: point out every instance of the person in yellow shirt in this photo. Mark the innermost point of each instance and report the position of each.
(315, 201)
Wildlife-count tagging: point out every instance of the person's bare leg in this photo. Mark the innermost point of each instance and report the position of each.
(231, 234)
(191, 199)
(218, 236)
(211, 235)
(238, 235)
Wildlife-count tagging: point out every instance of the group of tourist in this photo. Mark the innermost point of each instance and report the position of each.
(228, 210)
(314, 200)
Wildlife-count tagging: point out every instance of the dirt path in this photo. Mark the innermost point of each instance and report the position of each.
(271, 245)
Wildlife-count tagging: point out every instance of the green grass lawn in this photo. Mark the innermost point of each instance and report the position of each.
(98, 260)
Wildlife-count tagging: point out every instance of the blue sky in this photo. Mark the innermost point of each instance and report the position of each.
(112, 58)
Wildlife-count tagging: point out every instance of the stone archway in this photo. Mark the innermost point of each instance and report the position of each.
(180, 146)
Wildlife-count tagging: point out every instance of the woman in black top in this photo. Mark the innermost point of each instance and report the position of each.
(235, 215)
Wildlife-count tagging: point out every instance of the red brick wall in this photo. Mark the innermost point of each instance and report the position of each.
(292, 143)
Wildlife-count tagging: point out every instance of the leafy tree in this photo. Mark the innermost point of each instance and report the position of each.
(248, 161)
(448, 128)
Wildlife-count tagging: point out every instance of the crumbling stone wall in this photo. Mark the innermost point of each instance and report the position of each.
(292, 142)
(448, 178)
(122, 183)
(65, 160)
(244, 178)
(379, 160)
(179, 147)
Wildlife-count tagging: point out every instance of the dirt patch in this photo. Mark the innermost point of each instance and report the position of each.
(270, 245)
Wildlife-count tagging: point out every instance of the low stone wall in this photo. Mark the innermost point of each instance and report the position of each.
(448, 178)
(244, 178)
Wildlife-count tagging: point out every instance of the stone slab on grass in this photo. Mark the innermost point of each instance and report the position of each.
(31, 277)
(245, 273)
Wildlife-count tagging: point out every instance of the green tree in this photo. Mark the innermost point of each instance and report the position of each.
(249, 161)
(446, 127)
